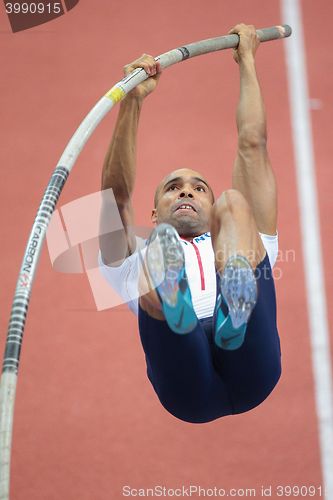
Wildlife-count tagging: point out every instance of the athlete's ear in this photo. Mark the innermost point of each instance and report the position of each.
(154, 216)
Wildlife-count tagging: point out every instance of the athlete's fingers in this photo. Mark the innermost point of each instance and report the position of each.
(248, 40)
(242, 28)
(146, 62)
(236, 29)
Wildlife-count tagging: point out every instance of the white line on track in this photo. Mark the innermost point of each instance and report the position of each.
(311, 240)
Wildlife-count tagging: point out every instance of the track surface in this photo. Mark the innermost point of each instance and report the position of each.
(87, 421)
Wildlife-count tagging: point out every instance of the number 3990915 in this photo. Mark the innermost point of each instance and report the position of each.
(33, 8)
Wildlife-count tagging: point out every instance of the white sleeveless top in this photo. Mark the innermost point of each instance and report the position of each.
(200, 271)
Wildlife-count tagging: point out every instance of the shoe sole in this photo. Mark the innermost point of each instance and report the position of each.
(226, 336)
(165, 259)
(239, 289)
(166, 265)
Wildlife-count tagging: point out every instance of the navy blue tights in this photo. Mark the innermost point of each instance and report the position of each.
(195, 380)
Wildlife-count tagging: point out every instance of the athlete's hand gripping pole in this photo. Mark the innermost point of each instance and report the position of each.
(174, 56)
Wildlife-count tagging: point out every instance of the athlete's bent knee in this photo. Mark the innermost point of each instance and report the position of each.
(230, 201)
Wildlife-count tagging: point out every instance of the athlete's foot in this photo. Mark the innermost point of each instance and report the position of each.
(239, 293)
(166, 265)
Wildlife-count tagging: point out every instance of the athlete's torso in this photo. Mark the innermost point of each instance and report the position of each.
(200, 270)
(201, 274)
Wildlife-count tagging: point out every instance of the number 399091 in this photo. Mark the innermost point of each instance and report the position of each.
(33, 8)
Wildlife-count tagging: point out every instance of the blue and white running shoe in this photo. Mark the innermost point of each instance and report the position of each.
(239, 293)
(166, 265)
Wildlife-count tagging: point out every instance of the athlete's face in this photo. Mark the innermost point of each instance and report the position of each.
(184, 199)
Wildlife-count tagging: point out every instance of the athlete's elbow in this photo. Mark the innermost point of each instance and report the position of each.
(252, 139)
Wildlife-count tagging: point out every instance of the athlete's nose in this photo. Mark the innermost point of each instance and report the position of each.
(185, 193)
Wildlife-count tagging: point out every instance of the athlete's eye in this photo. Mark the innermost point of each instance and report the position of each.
(172, 187)
(200, 188)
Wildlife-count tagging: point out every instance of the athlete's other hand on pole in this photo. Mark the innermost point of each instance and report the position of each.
(153, 70)
(248, 42)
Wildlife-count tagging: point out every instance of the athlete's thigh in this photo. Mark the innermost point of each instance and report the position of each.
(234, 229)
(181, 370)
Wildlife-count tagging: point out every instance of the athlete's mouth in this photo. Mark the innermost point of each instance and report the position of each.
(185, 206)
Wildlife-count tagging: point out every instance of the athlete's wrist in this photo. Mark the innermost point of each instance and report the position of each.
(132, 98)
(247, 60)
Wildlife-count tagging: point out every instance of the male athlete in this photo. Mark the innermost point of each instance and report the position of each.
(202, 284)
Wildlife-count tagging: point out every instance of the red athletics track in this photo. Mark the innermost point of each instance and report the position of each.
(87, 421)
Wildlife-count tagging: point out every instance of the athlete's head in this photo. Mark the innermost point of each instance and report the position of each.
(184, 199)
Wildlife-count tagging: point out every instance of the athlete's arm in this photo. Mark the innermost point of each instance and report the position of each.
(119, 167)
(252, 174)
